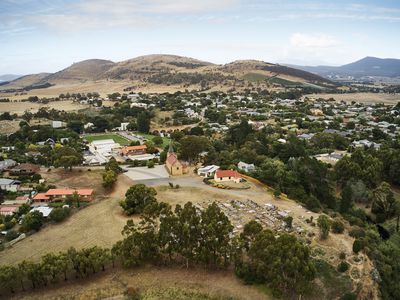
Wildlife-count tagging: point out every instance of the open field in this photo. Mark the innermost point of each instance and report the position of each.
(98, 224)
(360, 97)
(117, 138)
(153, 283)
(20, 107)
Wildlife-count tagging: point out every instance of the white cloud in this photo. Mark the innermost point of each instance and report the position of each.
(303, 40)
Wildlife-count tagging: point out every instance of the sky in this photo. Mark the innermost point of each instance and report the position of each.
(49, 35)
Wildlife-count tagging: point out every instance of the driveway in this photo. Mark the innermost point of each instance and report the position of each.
(145, 173)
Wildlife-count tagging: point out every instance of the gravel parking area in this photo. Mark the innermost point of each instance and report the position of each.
(145, 173)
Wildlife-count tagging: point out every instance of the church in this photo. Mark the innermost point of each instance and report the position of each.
(175, 167)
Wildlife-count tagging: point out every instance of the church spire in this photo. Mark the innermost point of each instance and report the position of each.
(171, 149)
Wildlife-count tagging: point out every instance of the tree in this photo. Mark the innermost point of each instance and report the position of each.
(137, 197)
(337, 226)
(143, 122)
(215, 242)
(289, 222)
(192, 146)
(109, 179)
(324, 226)
(67, 157)
(158, 140)
(76, 125)
(112, 165)
(8, 277)
(283, 263)
(33, 221)
(383, 202)
(59, 214)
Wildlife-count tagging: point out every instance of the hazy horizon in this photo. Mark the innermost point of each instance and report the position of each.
(47, 36)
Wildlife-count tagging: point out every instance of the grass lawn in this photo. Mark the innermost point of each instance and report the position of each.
(150, 138)
(117, 138)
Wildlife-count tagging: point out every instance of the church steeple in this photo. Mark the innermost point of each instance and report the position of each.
(171, 149)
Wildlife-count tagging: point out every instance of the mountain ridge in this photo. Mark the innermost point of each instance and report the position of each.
(170, 70)
(367, 66)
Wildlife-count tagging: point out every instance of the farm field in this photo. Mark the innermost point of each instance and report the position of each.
(20, 107)
(117, 138)
(369, 98)
(152, 283)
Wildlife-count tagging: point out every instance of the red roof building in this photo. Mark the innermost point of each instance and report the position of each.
(62, 193)
(227, 175)
(134, 150)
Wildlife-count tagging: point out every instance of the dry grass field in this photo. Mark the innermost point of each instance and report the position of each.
(20, 107)
(360, 97)
(152, 283)
(98, 224)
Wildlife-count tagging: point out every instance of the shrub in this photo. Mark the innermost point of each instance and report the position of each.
(342, 255)
(349, 296)
(343, 267)
(337, 226)
(357, 232)
(59, 214)
(11, 235)
(150, 164)
(358, 245)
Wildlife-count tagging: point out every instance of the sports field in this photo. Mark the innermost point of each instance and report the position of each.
(111, 136)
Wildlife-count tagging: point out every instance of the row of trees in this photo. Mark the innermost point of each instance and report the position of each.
(54, 267)
(183, 236)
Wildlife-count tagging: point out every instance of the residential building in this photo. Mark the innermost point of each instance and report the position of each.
(55, 194)
(7, 164)
(9, 185)
(248, 168)
(25, 169)
(227, 175)
(207, 171)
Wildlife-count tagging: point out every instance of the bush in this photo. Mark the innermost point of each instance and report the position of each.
(358, 245)
(349, 296)
(59, 214)
(342, 255)
(357, 232)
(337, 226)
(343, 267)
(150, 164)
(11, 235)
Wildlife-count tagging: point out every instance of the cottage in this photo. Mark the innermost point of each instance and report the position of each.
(9, 185)
(207, 171)
(174, 165)
(248, 168)
(133, 150)
(25, 169)
(227, 175)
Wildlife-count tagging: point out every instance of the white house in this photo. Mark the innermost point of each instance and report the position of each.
(9, 185)
(246, 167)
(207, 171)
(58, 124)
